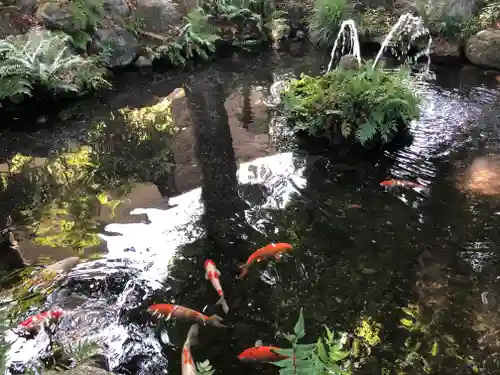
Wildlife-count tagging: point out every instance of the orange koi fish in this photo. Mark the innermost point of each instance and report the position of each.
(261, 353)
(181, 312)
(187, 363)
(272, 250)
(213, 274)
(33, 323)
(403, 183)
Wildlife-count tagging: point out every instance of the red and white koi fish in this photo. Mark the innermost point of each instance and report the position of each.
(403, 183)
(33, 323)
(213, 274)
(273, 250)
(181, 312)
(187, 363)
(261, 353)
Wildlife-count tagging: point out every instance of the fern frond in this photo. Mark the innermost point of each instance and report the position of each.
(14, 86)
(44, 57)
(366, 132)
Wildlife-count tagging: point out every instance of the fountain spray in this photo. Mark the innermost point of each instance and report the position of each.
(411, 25)
(347, 27)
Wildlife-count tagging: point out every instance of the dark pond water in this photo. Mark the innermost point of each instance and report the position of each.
(361, 250)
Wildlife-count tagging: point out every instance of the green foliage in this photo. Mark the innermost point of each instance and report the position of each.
(427, 348)
(86, 14)
(437, 20)
(204, 368)
(324, 357)
(261, 12)
(440, 23)
(487, 16)
(43, 59)
(374, 22)
(325, 19)
(197, 38)
(364, 104)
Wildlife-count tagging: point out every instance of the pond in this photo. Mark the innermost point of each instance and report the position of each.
(361, 251)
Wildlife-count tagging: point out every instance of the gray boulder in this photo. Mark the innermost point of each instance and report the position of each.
(158, 16)
(484, 48)
(118, 45)
(56, 16)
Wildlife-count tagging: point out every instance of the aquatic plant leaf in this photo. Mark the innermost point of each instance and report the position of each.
(329, 333)
(204, 368)
(406, 322)
(287, 362)
(299, 328)
(287, 352)
(335, 369)
(305, 347)
(339, 356)
(321, 351)
(287, 371)
(434, 349)
(290, 337)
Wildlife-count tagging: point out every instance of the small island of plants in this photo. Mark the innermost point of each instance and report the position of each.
(364, 105)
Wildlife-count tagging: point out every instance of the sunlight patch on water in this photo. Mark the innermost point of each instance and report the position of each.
(274, 172)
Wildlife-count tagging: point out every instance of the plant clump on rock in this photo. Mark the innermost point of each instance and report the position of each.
(362, 105)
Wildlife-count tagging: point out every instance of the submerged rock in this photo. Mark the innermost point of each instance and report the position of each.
(484, 48)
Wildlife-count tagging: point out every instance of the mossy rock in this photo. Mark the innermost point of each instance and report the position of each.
(57, 16)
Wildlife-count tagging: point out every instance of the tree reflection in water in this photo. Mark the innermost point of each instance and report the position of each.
(59, 199)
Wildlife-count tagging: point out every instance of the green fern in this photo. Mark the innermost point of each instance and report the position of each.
(196, 38)
(311, 359)
(204, 368)
(362, 105)
(86, 14)
(43, 59)
(325, 20)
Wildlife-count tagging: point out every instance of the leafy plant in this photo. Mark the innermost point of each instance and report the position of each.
(83, 18)
(487, 16)
(197, 38)
(425, 341)
(86, 14)
(325, 20)
(311, 359)
(204, 368)
(43, 59)
(363, 105)
(374, 22)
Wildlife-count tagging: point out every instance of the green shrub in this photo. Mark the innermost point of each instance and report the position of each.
(43, 59)
(361, 105)
(197, 38)
(325, 20)
(487, 16)
(374, 22)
